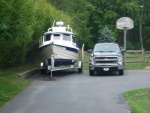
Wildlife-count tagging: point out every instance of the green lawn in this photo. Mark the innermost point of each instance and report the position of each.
(134, 66)
(11, 85)
(139, 100)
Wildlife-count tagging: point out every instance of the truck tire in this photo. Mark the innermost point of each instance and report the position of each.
(91, 72)
(121, 72)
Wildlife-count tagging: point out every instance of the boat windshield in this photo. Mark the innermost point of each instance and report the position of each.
(66, 37)
(106, 48)
(56, 36)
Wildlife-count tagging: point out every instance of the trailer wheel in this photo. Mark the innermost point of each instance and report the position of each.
(80, 70)
(45, 66)
(43, 71)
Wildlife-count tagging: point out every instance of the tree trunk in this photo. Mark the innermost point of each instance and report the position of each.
(141, 38)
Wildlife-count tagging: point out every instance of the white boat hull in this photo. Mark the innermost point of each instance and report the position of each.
(60, 52)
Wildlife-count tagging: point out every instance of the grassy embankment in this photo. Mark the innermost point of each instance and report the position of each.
(11, 84)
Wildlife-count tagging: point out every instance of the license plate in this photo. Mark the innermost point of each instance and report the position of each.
(106, 69)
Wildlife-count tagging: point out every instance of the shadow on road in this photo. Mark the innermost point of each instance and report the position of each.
(56, 75)
(105, 73)
(70, 73)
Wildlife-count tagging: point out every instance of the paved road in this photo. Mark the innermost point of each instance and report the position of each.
(70, 92)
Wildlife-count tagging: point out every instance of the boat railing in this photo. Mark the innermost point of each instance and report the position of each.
(49, 29)
(60, 24)
(68, 28)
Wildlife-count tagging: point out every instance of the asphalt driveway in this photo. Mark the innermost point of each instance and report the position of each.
(70, 92)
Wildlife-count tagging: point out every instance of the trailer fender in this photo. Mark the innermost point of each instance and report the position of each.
(79, 64)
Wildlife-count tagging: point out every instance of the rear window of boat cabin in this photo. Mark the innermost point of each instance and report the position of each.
(56, 37)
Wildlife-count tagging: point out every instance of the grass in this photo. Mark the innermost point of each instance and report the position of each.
(11, 84)
(134, 66)
(139, 100)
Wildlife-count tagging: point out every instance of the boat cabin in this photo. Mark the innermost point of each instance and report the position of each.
(59, 35)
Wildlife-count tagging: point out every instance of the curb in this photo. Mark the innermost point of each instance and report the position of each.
(28, 73)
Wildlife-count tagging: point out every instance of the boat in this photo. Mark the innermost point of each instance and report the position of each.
(60, 43)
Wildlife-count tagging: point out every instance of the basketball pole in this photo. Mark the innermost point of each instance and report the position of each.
(125, 33)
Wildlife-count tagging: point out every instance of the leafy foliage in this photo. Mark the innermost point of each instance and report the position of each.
(22, 23)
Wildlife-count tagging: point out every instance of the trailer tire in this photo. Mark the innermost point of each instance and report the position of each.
(45, 66)
(43, 71)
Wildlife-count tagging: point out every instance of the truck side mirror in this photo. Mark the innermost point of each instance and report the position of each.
(123, 51)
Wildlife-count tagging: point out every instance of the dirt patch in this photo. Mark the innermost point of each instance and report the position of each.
(147, 67)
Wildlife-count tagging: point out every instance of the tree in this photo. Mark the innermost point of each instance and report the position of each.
(106, 36)
(22, 23)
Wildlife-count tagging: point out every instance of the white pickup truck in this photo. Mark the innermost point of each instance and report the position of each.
(106, 57)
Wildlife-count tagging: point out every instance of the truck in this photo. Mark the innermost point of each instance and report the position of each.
(106, 57)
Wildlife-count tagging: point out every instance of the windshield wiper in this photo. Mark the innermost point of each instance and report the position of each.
(113, 51)
(99, 51)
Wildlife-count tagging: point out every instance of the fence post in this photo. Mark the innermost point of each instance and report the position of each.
(143, 57)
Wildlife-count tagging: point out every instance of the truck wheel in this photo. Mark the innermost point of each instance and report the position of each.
(121, 72)
(91, 72)
(80, 70)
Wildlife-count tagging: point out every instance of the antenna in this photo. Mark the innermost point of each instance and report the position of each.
(53, 23)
